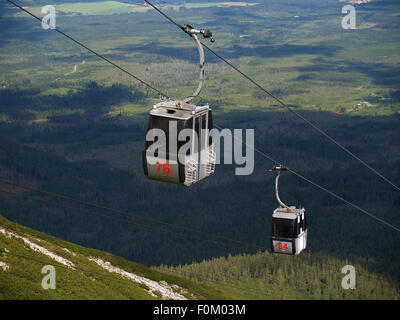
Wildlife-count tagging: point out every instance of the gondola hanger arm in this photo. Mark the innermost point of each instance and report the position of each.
(194, 34)
(280, 169)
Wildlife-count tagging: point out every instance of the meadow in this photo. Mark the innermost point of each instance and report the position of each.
(308, 61)
(117, 7)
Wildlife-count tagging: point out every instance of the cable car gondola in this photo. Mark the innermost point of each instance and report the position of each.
(198, 162)
(289, 225)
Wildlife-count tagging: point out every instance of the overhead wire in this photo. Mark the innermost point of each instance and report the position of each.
(145, 83)
(247, 77)
(260, 152)
(319, 186)
(122, 220)
(322, 132)
(94, 52)
(134, 215)
(302, 118)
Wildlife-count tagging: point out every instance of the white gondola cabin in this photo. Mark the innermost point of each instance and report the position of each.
(288, 226)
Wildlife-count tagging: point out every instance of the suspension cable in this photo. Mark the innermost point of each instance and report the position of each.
(318, 186)
(94, 52)
(134, 215)
(122, 220)
(284, 104)
(254, 82)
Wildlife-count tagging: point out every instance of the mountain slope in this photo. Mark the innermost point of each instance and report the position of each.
(81, 273)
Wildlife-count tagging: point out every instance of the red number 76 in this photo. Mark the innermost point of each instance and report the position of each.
(165, 166)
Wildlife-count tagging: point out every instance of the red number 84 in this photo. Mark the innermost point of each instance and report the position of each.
(282, 246)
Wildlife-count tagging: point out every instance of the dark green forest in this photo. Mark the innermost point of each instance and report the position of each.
(225, 204)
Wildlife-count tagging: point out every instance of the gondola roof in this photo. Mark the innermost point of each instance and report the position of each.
(284, 213)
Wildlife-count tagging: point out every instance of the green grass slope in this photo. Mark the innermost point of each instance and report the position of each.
(24, 252)
(23, 255)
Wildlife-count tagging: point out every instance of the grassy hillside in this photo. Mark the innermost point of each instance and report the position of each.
(24, 252)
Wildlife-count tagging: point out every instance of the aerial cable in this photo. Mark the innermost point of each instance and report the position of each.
(259, 86)
(284, 104)
(165, 16)
(97, 206)
(318, 186)
(344, 200)
(247, 77)
(125, 221)
(95, 53)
